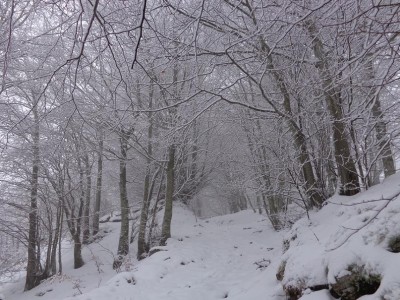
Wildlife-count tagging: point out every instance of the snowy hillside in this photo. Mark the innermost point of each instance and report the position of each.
(350, 241)
(349, 246)
(217, 258)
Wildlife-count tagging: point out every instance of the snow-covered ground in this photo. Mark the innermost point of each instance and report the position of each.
(348, 232)
(237, 256)
(222, 257)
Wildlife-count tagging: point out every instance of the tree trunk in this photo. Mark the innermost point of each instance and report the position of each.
(389, 167)
(166, 225)
(48, 267)
(346, 168)
(74, 221)
(32, 269)
(99, 183)
(59, 243)
(373, 172)
(310, 183)
(259, 207)
(142, 249)
(358, 158)
(345, 164)
(385, 151)
(155, 210)
(142, 246)
(55, 241)
(86, 213)
(312, 190)
(78, 261)
(123, 243)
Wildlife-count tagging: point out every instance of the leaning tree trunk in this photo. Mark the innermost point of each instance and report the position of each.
(310, 183)
(169, 195)
(32, 269)
(345, 164)
(311, 187)
(153, 222)
(142, 249)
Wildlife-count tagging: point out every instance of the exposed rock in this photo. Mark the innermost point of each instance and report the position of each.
(355, 284)
(117, 262)
(394, 244)
(319, 287)
(294, 292)
(281, 271)
(131, 280)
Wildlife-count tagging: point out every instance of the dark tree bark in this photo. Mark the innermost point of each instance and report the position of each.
(57, 235)
(155, 210)
(33, 267)
(74, 213)
(123, 243)
(345, 164)
(142, 249)
(142, 245)
(166, 225)
(86, 213)
(99, 183)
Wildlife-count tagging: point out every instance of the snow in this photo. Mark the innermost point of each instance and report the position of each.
(319, 295)
(348, 231)
(237, 256)
(227, 256)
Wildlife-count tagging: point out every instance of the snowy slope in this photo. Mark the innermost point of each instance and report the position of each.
(348, 231)
(237, 256)
(97, 270)
(205, 259)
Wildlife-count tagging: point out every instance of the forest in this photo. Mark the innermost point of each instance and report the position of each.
(122, 109)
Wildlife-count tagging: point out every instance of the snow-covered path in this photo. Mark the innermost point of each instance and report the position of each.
(222, 257)
(215, 259)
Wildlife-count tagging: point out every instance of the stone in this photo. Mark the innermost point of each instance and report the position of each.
(355, 284)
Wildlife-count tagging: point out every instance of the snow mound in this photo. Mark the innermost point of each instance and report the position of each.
(348, 233)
